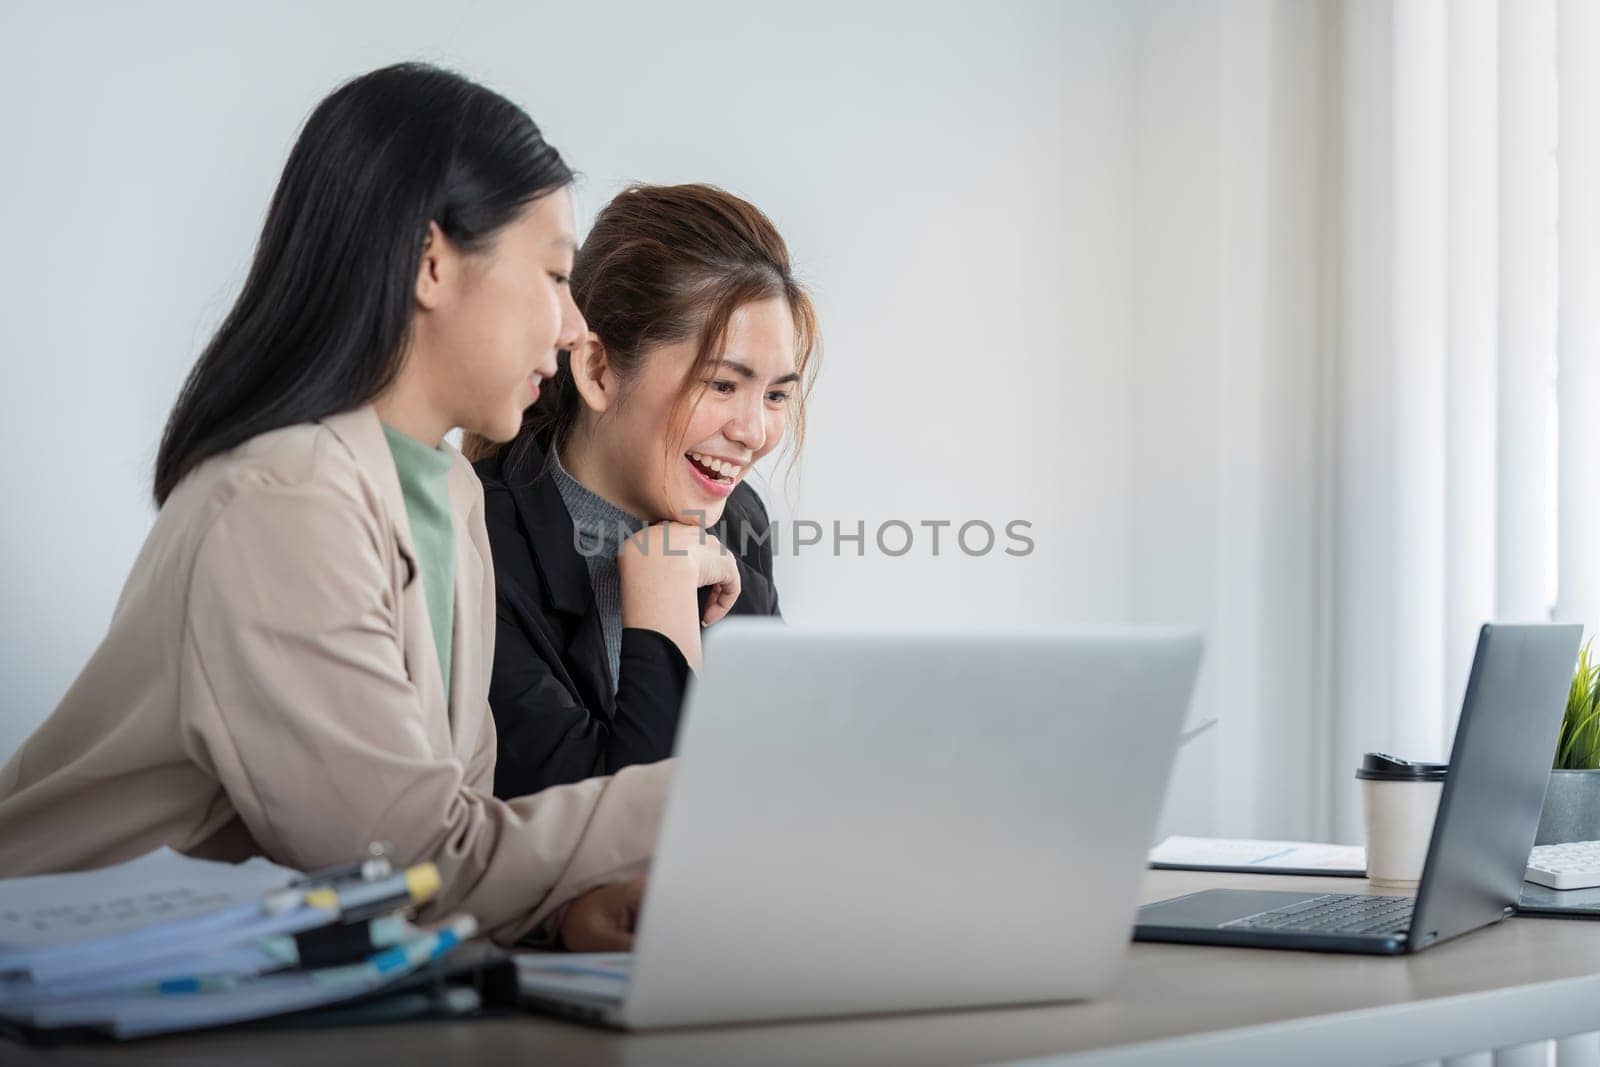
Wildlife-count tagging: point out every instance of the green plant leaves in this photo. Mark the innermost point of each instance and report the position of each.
(1578, 746)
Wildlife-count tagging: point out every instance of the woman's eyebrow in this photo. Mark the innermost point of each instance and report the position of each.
(746, 371)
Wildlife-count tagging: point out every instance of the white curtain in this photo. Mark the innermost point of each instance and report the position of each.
(1467, 448)
(1365, 367)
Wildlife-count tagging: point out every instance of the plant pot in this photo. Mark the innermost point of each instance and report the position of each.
(1571, 808)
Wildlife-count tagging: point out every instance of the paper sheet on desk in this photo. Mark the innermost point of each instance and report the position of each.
(138, 1014)
(58, 909)
(1217, 853)
(598, 975)
(131, 1015)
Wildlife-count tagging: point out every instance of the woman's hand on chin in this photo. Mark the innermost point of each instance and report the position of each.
(662, 567)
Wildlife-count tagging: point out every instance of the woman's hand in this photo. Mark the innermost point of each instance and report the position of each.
(662, 567)
(603, 919)
(667, 550)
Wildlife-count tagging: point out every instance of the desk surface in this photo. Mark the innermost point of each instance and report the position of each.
(1521, 980)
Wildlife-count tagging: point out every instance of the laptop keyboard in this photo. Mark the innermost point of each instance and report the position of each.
(1333, 913)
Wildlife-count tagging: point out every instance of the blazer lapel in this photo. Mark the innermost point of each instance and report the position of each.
(566, 576)
(471, 653)
(362, 433)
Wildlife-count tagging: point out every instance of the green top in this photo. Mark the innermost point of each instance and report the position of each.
(424, 480)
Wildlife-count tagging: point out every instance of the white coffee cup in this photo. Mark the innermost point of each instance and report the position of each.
(1399, 800)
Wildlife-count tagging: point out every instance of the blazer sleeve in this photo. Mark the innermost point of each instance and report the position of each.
(297, 698)
(547, 736)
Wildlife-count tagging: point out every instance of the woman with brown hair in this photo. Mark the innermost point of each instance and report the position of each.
(624, 494)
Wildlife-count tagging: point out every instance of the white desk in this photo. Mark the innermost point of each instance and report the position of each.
(1520, 981)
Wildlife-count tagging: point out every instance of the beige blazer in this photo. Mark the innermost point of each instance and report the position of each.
(270, 686)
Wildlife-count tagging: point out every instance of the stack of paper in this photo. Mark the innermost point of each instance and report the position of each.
(166, 943)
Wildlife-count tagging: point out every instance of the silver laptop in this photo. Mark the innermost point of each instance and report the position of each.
(869, 821)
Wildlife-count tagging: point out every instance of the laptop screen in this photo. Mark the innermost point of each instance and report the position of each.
(1499, 769)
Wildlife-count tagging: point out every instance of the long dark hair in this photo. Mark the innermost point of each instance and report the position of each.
(321, 324)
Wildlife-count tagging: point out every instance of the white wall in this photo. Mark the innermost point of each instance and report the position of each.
(956, 181)
(1225, 361)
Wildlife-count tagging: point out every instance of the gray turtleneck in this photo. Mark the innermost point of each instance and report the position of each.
(599, 528)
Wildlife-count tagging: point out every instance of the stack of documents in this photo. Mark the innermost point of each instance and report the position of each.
(166, 943)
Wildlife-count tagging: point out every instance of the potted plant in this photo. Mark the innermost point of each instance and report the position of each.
(1572, 801)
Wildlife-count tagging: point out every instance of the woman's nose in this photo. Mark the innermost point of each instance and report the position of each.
(747, 427)
(573, 327)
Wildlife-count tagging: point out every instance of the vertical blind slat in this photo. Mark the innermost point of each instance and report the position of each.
(1578, 338)
(1526, 323)
(1471, 242)
(1417, 369)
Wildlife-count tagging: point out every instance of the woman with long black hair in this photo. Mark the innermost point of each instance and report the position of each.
(299, 662)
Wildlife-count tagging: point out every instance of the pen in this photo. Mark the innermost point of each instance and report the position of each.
(370, 869)
(361, 899)
(414, 885)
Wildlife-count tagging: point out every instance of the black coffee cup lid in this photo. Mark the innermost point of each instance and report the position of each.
(1382, 767)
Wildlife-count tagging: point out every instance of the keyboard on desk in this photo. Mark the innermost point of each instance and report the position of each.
(1334, 913)
(1570, 865)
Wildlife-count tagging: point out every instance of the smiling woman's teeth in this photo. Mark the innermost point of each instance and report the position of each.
(714, 468)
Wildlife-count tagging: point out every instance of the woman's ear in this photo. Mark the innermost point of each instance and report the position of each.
(592, 374)
(435, 269)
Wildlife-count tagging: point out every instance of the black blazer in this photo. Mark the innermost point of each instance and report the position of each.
(555, 715)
